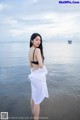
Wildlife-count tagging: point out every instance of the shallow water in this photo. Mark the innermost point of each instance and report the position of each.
(14, 54)
(62, 61)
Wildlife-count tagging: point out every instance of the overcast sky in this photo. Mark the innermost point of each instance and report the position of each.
(54, 21)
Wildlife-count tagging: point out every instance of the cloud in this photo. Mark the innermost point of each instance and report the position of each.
(59, 23)
(48, 25)
(35, 1)
(10, 21)
(46, 17)
(4, 6)
(16, 32)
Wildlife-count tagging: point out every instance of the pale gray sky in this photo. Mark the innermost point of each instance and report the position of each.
(20, 18)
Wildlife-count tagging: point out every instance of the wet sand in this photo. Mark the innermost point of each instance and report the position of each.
(57, 107)
(62, 107)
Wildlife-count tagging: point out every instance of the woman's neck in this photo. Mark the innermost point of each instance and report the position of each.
(33, 46)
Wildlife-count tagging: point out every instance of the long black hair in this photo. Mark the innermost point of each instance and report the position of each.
(33, 36)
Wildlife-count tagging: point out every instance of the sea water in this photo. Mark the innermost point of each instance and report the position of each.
(61, 59)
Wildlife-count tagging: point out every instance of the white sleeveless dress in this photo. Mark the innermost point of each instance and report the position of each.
(39, 88)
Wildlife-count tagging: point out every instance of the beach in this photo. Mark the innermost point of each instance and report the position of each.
(60, 107)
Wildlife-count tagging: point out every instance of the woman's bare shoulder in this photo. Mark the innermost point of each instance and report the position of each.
(37, 50)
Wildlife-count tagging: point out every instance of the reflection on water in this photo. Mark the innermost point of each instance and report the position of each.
(61, 59)
(13, 54)
(62, 53)
(63, 64)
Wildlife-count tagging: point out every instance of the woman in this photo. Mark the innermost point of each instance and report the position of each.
(38, 74)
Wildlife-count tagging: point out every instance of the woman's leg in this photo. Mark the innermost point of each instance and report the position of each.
(32, 106)
(36, 111)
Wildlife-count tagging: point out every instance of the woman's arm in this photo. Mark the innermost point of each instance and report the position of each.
(39, 57)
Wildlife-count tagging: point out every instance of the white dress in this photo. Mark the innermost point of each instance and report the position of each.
(39, 88)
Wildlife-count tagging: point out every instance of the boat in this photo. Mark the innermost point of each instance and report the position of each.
(69, 41)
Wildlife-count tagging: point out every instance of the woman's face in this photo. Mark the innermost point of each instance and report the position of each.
(37, 41)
